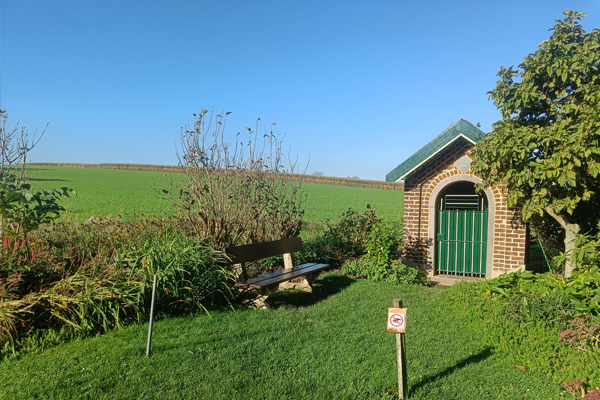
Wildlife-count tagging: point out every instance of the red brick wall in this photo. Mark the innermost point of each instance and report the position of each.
(509, 233)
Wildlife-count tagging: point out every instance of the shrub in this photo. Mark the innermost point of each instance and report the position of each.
(395, 273)
(235, 196)
(381, 244)
(316, 250)
(585, 253)
(346, 238)
(21, 209)
(89, 278)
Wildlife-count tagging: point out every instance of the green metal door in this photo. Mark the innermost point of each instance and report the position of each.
(461, 236)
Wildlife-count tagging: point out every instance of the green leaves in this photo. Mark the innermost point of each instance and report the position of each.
(546, 149)
(22, 210)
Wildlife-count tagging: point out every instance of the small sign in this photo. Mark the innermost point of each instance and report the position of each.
(396, 320)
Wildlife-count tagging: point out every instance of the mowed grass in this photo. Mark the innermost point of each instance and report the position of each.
(125, 193)
(334, 346)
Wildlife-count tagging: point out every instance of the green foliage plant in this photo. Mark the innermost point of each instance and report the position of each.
(348, 235)
(22, 209)
(584, 252)
(546, 149)
(379, 243)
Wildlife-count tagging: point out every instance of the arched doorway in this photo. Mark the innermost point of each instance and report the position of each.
(461, 230)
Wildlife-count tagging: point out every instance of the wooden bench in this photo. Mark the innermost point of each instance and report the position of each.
(271, 282)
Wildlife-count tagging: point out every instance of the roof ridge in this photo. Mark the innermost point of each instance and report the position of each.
(458, 128)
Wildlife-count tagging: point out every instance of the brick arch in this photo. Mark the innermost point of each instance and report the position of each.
(439, 184)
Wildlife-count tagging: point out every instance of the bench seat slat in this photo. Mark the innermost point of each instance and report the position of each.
(276, 277)
(278, 273)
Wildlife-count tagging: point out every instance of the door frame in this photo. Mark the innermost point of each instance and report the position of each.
(433, 201)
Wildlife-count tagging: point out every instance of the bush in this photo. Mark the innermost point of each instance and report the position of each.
(21, 209)
(395, 273)
(316, 250)
(585, 253)
(235, 196)
(380, 246)
(75, 280)
(347, 237)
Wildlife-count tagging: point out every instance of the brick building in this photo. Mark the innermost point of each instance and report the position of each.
(450, 228)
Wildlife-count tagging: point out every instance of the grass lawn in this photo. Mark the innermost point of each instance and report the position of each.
(334, 346)
(111, 192)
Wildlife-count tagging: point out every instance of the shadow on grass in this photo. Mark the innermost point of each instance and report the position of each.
(47, 180)
(475, 358)
(323, 287)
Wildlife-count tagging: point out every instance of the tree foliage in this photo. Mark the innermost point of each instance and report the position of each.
(545, 150)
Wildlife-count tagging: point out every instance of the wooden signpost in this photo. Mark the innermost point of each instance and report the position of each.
(397, 323)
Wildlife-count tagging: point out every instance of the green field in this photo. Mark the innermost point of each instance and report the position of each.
(112, 192)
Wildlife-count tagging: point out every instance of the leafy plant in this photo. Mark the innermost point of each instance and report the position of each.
(21, 209)
(584, 252)
(381, 247)
(546, 149)
(346, 238)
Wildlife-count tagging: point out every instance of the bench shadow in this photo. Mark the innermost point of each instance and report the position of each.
(475, 358)
(323, 287)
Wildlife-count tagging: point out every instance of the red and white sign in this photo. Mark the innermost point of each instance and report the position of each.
(396, 320)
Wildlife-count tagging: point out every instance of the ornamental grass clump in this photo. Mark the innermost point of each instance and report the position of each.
(81, 279)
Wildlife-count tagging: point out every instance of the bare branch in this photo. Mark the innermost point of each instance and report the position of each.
(236, 195)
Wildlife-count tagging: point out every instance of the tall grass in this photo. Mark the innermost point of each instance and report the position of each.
(96, 277)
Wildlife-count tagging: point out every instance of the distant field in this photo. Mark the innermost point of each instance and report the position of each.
(113, 192)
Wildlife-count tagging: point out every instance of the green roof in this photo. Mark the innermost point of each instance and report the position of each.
(460, 129)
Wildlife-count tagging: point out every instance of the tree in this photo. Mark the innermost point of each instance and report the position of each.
(545, 151)
(21, 209)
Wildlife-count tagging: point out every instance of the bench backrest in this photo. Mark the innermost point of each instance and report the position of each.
(257, 251)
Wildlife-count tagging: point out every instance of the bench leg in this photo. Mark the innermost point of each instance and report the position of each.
(260, 301)
(304, 285)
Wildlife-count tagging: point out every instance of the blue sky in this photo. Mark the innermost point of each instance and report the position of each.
(355, 87)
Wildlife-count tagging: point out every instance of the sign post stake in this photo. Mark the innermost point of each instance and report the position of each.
(401, 353)
(151, 315)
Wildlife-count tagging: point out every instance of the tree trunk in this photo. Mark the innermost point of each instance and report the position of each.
(571, 232)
